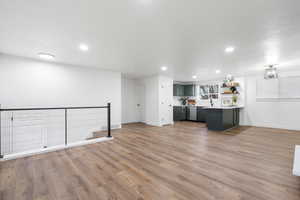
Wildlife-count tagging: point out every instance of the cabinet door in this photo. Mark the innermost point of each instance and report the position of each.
(178, 90)
(179, 113)
(175, 114)
(175, 90)
(201, 114)
(188, 114)
(236, 117)
(189, 90)
(183, 113)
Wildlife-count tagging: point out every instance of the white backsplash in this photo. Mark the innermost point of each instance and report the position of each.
(200, 102)
(176, 101)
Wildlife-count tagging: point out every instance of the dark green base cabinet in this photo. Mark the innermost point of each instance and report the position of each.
(222, 119)
(201, 114)
(179, 113)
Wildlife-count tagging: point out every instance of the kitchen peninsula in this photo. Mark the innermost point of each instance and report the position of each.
(222, 118)
(217, 118)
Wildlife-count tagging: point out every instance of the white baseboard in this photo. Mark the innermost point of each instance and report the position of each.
(154, 124)
(159, 124)
(171, 123)
(113, 126)
(55, 148)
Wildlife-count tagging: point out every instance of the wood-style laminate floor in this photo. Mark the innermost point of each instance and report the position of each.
(184, 161)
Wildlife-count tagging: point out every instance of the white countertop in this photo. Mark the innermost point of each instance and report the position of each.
(214, 107)
(223, 107)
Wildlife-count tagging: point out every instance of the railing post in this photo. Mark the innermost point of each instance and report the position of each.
(108, 121)
(66, 127)
(1, 156)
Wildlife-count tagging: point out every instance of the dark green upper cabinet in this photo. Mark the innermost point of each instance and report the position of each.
(184, 90)
(178, 90)
(189, 90)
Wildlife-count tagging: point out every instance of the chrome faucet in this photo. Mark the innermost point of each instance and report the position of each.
(211, 101)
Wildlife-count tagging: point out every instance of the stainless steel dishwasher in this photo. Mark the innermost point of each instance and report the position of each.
(192, 113)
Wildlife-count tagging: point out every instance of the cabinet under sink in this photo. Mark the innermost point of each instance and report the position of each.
(179, 113)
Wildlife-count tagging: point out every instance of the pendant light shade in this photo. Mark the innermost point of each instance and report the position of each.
(271, 72)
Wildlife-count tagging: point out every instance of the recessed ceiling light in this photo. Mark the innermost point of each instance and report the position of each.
(164, 68)
(83, 47)
(229, 49)
(46, 56)
(194, 77)
(218, 71)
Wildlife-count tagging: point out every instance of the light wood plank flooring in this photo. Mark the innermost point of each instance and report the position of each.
(184, 161)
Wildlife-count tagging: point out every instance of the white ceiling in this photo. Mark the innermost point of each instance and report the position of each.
(137, 37)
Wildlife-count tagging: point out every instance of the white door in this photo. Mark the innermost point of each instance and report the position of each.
(139, 102)
(166, 98)
(132, 101)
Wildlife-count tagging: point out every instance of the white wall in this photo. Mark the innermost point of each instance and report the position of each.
(25, 82)
(280, 113)
(30, 83)
(132, 100)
